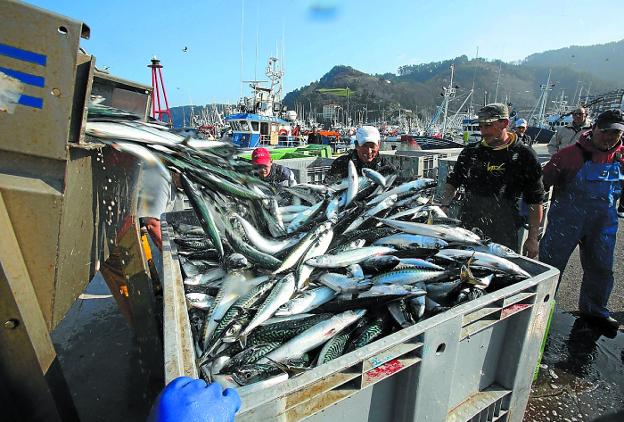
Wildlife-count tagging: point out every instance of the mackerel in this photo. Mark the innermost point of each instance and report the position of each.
(407, 241)
(344, 259)
(202, 210)
(375, 176)
(306, 301)
(483, 260)
(334, 348)
(280, 294)
(285, 330)
(446, 233)
(409, 276)
(301, 248)
(352, 188)
(319, 247)
(234, 285)
(313, 337)
(268, 246)
(250, 355)
(205, 278)
(381, 206)
(412, 186)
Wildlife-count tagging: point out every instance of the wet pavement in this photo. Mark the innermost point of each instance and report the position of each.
(581, 377)
(582, 372)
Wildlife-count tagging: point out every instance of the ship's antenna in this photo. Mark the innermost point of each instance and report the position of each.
(241, 45)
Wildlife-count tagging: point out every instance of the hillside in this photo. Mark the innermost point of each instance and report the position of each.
(606, 60)
(419, 87)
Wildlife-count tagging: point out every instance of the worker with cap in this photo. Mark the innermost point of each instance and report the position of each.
(520, 129)
(192, 400)
(587, 180)
(269, 171)
(494, 174)
(568, 135)
(365, 155)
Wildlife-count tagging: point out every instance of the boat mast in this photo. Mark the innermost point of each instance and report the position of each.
(448, 93)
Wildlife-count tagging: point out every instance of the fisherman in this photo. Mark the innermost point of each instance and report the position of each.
(568, 135)
(365, 155)
(192, 400)
(272, 172)
(587, 179)
(494, 174)
(314, 137)
(520, 129)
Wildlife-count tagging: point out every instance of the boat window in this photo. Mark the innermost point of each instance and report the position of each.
(234, 124)
(255, 126)
(244, 125)
(264, 128)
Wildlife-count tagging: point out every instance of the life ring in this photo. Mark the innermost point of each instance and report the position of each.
(282, 132)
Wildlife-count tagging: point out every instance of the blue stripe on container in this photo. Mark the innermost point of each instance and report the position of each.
(29, 101)
(24, 55)
(27, 78)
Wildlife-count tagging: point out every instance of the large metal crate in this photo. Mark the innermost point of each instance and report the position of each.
(473, 362)
(308, 170)
(413, 164)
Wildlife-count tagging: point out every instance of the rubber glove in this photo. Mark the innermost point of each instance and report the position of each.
(192, 400)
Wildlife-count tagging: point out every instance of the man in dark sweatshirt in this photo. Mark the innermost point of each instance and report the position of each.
(587, 179)
(495, 173)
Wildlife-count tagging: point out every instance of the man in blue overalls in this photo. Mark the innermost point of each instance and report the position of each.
(587, 179)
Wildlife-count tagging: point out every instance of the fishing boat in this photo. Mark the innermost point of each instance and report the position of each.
(262, 120)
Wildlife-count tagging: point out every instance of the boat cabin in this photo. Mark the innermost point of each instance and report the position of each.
(251, 130)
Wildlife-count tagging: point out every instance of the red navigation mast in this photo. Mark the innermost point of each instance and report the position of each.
(157, 87)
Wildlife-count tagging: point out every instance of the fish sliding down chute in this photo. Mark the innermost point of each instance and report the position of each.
(282, 279)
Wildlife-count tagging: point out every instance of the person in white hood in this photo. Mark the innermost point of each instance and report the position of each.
(365, 155)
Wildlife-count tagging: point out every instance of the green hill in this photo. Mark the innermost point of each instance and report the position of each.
(419, 87)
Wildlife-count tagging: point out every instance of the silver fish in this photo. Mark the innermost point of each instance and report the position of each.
(344, 259)
(483, 260)
(407, 241)
(306, 301)
(205, 278)
(450, 234)
(199, 300)
(414, 185)
(262, 243)
(375, 176)
(313, 337)
(280, 294)
(319, 247)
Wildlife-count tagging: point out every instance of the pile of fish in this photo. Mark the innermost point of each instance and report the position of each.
(279, 280)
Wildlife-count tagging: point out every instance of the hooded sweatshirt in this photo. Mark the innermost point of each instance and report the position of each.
(563, 165)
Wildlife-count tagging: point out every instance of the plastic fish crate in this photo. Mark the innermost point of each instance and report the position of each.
(474, 362)
(308, 170)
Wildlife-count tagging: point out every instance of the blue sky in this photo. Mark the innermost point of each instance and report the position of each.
(372, 36)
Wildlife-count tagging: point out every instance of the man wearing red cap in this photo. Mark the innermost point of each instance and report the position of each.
(271, 172)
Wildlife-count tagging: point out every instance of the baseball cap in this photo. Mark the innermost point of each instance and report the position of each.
(521, 122)
(493, 112)
(261, 157)
(366, 134)
(610, 119)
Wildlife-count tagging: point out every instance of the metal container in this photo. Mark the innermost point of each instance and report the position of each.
(308, 170)
(473, 362)
(64, 202)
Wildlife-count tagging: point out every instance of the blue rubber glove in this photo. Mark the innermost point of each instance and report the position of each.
(191, 400)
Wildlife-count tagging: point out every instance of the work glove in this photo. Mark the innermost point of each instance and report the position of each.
(192, 400)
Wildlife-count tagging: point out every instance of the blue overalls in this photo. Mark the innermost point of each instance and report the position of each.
(584, 213)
